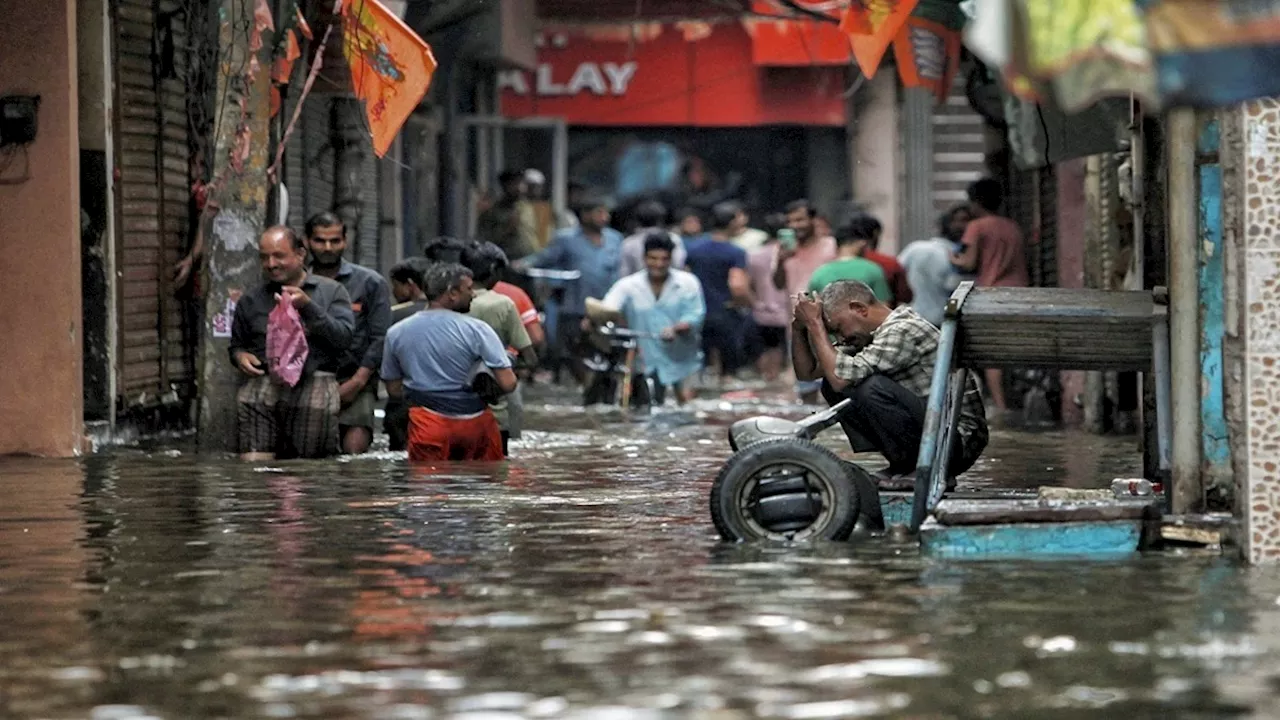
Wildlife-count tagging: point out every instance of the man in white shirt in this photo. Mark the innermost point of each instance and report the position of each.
(652, 217)
(928, 264)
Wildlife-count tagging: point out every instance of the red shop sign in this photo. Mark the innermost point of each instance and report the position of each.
(688, 73)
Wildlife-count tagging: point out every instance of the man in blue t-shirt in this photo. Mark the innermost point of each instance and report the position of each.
(437, 361)
(721, 267)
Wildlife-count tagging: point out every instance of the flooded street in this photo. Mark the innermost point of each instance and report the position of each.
(581, 580)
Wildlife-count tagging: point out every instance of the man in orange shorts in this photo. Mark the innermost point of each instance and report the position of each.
(448, 366)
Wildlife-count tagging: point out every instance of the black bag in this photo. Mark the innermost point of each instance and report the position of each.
(487, 388)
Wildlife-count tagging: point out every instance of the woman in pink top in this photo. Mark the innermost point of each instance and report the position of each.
(771, 309)
(992, 248)
(795, 267)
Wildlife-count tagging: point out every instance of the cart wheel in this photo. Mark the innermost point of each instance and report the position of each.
(789, 489)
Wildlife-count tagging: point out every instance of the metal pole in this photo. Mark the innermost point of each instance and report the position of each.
(560, 169)
(1184, 311)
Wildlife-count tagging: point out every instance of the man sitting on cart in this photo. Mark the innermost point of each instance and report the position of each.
(665, 305)
(885, 365)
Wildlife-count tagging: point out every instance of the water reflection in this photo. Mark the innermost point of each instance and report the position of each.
(582, 580)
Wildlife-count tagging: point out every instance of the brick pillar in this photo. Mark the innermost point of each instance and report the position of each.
(1260, 223)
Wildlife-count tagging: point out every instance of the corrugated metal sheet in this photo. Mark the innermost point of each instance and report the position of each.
(316, 158)
(1032, 197)
(959, 147)
(368, 241)
(153, 197)
(310, 172)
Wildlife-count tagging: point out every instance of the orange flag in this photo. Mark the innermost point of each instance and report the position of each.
(871, 26)
(391, 67)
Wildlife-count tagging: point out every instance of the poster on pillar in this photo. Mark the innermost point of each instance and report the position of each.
(391, 67)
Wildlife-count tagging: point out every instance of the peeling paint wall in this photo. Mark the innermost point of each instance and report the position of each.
(1215, 450)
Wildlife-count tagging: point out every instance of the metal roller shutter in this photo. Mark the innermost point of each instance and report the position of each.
(1047, 274)
(153, 197)
(1032, 203)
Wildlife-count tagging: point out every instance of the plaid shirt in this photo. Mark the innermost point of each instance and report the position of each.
(904, 349)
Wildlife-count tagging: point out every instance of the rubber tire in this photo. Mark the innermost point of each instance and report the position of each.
(849, 494)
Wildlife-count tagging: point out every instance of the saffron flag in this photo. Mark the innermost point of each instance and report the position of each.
(871, 26)
(928, 55)
(391, 67)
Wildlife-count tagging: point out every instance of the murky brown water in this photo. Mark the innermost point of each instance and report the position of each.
(581, 580)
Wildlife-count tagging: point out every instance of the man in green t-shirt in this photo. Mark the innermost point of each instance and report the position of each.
(849, 266)
(486, 262)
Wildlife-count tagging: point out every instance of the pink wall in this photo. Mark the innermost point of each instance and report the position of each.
(1072, 219)
(40, 387)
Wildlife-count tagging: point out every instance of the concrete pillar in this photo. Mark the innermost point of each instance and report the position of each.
(41, 404)
(1184, 310)
(1073, 217)
(232, 252)
(1260, 191)
(917, 216)
(1095, 251)
(876, 170)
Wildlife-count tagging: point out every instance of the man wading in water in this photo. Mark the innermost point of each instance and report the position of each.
(275, 420)
(371, 304)
(436, 361)
(888, 379)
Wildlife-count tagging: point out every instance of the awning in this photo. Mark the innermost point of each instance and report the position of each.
(1198, 53)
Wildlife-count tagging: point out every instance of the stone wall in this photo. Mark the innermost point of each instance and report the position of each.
(1260, 220)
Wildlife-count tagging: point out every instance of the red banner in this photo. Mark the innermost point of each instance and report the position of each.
(795, 43)
(684, 74)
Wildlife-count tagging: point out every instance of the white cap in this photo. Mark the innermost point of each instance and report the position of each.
(534, 177)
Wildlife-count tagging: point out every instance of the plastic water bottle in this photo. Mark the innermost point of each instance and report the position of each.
(1128, 487)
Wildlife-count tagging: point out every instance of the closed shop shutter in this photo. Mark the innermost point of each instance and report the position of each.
(1032, 203)
(368, 250)
(153, 197)
(1047, 275)
(309, 170)
(958, 147)
(309, 159)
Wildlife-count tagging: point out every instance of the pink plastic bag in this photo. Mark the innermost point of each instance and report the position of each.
(286, 343)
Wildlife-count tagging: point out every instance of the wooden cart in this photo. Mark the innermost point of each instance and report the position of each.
(1053, 329)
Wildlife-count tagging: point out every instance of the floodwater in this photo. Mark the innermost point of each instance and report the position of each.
(581, 580)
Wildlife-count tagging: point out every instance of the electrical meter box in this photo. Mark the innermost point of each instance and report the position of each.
(18, 119)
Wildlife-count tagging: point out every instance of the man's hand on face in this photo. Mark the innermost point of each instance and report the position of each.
(809, 313)
(297, 296)
(249, 364)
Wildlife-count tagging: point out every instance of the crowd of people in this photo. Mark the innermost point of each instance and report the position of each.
(455, 333)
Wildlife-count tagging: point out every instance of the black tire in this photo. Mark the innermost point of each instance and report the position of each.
(789, 489)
